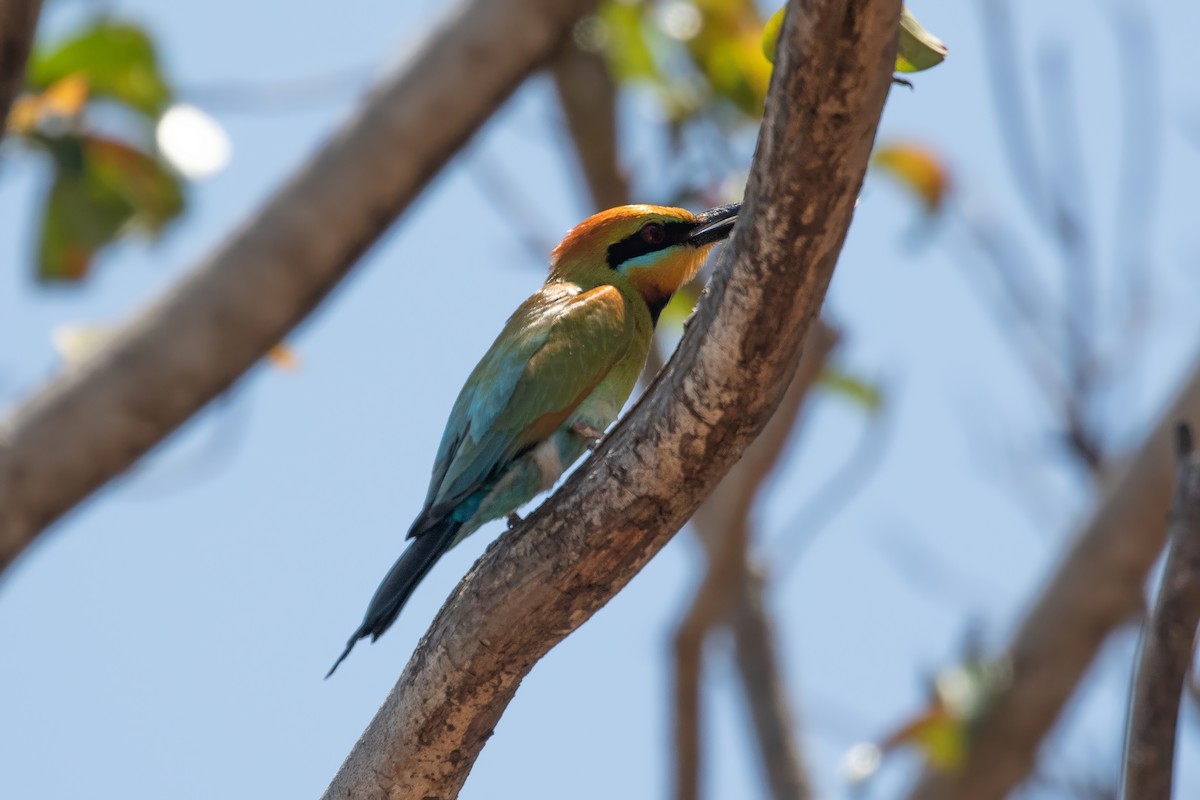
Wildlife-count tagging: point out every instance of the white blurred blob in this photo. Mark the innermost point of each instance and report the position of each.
(193, 142)
(679, 19)
(76, 341)
(860, 762)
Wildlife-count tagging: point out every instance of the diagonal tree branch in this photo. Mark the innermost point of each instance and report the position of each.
(736, 360)
(18, 21)
(1167, 641)
(91, 423)
(1098, 586)
(588, 96)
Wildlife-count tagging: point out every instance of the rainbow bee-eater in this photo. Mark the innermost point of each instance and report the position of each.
(555, 378)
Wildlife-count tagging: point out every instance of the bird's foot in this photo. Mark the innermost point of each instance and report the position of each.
(586, 431)
(514, 519)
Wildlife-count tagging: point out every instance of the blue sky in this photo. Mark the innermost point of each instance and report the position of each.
(169, 637)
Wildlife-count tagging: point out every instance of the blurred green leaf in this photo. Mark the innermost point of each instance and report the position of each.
(853, 388)
(727, 49)
(154, 191)
(938, 734)
(101, 190)
(680, 308)
(918, 49)
(117, 60)
(629, 54)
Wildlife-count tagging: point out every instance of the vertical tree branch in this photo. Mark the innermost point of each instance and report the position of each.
(18, 22)
(766, 692)
(731, 593)
(1167, 639)
(589, 102)
(736, 360)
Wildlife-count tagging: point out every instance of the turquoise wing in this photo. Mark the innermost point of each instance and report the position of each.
(556, 348)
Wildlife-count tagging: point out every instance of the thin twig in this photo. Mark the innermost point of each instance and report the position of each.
(1000, 50)
(1166, 649)
(1070, 232)
(281, 96)
(834, 495)
(512, 205)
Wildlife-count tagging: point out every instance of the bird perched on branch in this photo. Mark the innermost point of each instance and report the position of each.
(554, 379)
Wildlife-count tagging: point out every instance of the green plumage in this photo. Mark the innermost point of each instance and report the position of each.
(556, 376)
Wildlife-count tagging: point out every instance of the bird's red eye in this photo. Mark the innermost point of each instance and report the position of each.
(653, 233)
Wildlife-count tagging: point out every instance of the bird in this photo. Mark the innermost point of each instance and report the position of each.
(555, 378)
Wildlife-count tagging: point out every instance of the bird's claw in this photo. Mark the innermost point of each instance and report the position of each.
(514, 519)
(588, 432)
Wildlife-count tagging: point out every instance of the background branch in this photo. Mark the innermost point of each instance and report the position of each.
(588, 97)
(92, 422)
(18, 21)
(1166, 650)
(1098, 586)
(732, 368)
(731, 592)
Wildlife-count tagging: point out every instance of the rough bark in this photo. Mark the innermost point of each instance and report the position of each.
(1167, 641)
(544, 579)
(91, 423)
(588, 96)
(18, 21)
(1099, 585)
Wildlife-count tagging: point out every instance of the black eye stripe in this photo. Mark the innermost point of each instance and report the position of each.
(634, 245)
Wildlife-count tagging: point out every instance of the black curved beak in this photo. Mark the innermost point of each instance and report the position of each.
(713, 225)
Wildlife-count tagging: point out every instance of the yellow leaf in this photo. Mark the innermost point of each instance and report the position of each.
(938, 734)
(23, 116)
(74, 342)
(66, 97)
(283, 357)
(918, 169)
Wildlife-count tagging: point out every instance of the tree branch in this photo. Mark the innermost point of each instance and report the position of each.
(543, 580)
(588, 96)
(589, 102)
(1166, 650)
(766, 692)
(1098, 586)
(92, 422)
(18, 21)
(731, 592)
